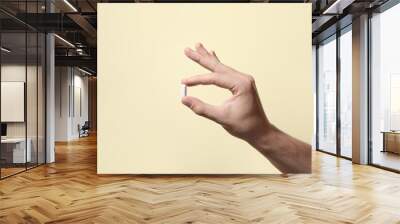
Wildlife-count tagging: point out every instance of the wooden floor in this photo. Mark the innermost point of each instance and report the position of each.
(69, 191)
(387, 159)
(9, 171)
(5, 172)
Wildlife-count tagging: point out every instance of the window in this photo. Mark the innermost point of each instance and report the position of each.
(346, 92)
(385, 89)
(327, 95)
(22, 76)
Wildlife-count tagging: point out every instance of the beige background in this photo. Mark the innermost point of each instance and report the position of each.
(142, 126)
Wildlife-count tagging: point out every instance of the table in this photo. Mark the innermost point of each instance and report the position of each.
(17, 151)
(391, 141)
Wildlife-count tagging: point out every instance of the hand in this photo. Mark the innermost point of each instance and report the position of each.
(242, 115)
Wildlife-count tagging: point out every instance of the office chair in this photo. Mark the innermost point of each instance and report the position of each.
(84, 130)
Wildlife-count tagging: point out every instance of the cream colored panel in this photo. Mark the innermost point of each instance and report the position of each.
(142, 126)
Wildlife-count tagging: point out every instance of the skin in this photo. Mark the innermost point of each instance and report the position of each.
(242, 115)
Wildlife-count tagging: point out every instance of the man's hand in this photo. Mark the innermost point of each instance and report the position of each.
(242, 115)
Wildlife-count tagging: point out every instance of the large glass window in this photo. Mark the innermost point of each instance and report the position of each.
(333, 137)
(346, 92)
(22, 91)
(385, 89)
(14, 153)
(327, 95)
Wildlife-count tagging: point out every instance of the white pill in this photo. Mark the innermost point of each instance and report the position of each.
(183, 90)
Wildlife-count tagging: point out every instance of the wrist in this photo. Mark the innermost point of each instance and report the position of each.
(265, 139)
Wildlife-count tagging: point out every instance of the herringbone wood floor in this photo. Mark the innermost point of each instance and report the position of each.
(69, 191)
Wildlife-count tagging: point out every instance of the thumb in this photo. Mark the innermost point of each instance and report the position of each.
(200, 108)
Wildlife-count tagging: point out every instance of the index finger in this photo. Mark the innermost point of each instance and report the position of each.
(207, 62)
(222, 81)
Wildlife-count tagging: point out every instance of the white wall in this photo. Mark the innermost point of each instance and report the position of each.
(70, 83)
(62, 81)
(83, 83)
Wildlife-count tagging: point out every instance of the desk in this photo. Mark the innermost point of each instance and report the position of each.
(391, 141)
(17, 152)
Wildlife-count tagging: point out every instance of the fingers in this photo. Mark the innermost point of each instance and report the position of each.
(215, 55)
(223, 81)
(201, 49)
(204, 58)
(205, 61)
(203, 109)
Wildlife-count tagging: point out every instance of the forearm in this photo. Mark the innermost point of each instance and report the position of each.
(288, 154)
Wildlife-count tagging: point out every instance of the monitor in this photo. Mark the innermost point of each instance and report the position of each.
(3, 129)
